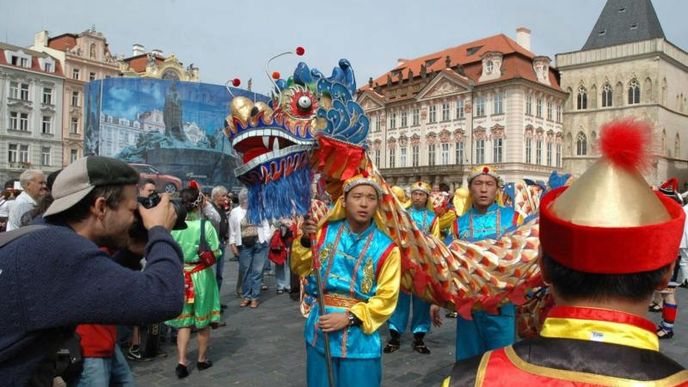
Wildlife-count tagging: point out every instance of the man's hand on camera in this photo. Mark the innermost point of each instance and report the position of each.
(161, 215)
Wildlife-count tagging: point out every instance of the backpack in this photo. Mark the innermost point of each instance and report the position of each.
(63, 347)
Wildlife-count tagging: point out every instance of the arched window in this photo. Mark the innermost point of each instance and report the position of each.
(634, 92)
(581, 144)
(92, 51)
(607, 95)
(582, 100)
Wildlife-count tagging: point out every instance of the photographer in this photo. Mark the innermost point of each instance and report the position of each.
(57, 277)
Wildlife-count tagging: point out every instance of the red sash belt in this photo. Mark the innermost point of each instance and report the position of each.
(189, 291)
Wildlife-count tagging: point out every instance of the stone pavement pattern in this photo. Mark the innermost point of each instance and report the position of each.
(265, 347)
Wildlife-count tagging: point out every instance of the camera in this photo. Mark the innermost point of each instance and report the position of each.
(138, 231)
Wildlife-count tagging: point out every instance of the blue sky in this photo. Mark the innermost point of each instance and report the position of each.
(234, 38)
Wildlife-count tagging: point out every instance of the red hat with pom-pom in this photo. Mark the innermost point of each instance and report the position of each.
(610, 221)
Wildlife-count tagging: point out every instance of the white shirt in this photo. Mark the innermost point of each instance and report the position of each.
(19, 207)
(265, 230)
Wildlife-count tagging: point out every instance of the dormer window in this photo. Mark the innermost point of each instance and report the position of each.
(541, 68)
(48, 67)
(25, 62)
(492, 64)
(489, 67)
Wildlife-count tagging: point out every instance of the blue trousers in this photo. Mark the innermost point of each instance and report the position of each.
(420, 322)
(485, 332)
(106, 371)
(251, 263)
(347, 372)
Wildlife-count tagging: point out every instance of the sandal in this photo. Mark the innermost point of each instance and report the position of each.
(254, 304)
(391, 347)
(654, 307)
(664, 333)
(420, 347)
(244, 303)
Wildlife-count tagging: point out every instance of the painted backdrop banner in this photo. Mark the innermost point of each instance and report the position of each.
(170, 131)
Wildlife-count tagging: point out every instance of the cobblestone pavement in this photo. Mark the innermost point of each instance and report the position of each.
(265, 347)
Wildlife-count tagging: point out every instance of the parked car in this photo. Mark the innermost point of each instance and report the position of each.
(163, 183)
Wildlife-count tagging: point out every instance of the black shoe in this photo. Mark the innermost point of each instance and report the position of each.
(419, 345)
(664, 333)
(134, 353)
(181, 371)
(204, 365)
(223, 306)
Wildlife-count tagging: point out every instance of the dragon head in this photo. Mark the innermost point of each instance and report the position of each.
(277, 143)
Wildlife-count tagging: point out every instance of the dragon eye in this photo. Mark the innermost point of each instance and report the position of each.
(304, 103)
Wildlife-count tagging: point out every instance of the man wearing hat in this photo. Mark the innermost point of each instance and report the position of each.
(602, 256)
(485, 219)
(57, 277)
(423, 215)
(360, 272)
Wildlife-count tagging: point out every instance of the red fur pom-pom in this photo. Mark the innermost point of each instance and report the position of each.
(194, 184)
(300, 51)
(236, 82)
(276, 75)
(627, 143)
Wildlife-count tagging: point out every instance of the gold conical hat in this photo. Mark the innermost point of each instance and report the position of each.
(608, 196)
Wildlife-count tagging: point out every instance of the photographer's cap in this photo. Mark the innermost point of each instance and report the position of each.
(83, 175)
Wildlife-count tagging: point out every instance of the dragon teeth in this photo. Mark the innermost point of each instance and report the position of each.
(275, 145)
(266, 141)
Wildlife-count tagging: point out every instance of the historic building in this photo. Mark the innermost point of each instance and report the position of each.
(153, 64)
(31, 111)
(84, 57)
(491, 101)
(627, 68)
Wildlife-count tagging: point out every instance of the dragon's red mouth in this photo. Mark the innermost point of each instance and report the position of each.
(255, 146)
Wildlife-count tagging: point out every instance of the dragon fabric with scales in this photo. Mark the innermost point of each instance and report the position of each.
(315, 128)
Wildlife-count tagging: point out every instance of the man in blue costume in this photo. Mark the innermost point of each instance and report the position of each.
(485, 219)
(423, 216)
(360, 271)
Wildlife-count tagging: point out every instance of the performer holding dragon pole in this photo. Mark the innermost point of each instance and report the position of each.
(485, 219)
(360, 269)
(423, 215)
(602, 256)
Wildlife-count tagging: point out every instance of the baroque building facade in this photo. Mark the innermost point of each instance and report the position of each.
(31, 100)
(627, 68)
(491, 101)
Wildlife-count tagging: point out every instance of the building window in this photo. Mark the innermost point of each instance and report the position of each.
(480, 151)
(549, 153)
(459, 153)
(538, 108)
(14, 121)
(23, 153)
(402, 155)
(498, 104)
(24, 91)
(73, 155)
(392, 120)
(607, 95)
(559, 113)
(12, 152)
(24, 62)
(431, 154)
(549, 111)
(497, 144)
(46, 124)
(404, 118)
(92, 51)
(558, 155)
(392, 157)
(48, 67)
(480, 107)
(582, 99)
(75, 98)
(377, 158)
(74, 127)
(445, 153)
(47, 95)
(14, 90)
(459, 108)
(75, 73)
(377, 123)
(529, 105)
(23, 121)
(581, 144)
(91, 76)
(416, 117)
(415, 155)
(538, 152)
(529, 148)
(634, 92)
(433, 114)
(45, 155)
(445, 111)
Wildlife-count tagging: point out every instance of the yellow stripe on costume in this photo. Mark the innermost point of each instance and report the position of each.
(602, 331)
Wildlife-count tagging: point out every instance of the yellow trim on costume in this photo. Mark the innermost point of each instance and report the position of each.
(340, 301)
(585, 377)
(602, 331)
(482, 368)
(445, 382)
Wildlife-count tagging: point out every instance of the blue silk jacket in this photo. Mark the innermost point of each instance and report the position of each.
(474, 226)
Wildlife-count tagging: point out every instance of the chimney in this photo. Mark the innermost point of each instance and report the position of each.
(401, 61)
(523, 37)
(156, 52)
(137, 49)
(40, 39)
